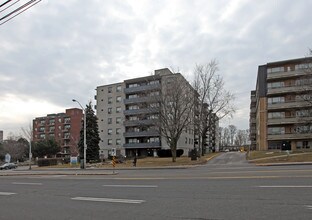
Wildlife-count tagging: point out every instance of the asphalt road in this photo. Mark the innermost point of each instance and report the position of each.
(226, 188)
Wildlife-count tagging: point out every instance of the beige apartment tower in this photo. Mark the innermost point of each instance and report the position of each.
(280, 109)
(127, 113)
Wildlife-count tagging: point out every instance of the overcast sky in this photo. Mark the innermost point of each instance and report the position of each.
(59, 50)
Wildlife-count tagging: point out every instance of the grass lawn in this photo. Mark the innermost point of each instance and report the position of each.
(147, 162)
(280, 157)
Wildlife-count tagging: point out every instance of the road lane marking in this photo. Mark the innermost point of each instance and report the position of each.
(6, 193)
(21, 183)
(308, 207)
(92, 199)
(134, 186)
(285, 186)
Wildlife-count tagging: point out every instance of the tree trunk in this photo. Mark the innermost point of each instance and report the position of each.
(173, 147)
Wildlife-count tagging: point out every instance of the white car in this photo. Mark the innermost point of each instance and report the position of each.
(8, 166)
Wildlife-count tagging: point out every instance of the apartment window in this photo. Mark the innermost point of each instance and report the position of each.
(133, 141)
(303, 129)
(118, 141)
(42, 122)
(118, 88)
(276, 130)
(133, 118)
(303, 66)
(154, 139)
(154, 82)
(42, 129)
(109, 131)
(52, 122)
(275, 85)
(274, 100)
(67, 120)
(302, 82)
(109, 101)
(304, 113)
(118, 130)
(118, 99)
(132, 107)
(186, 140)
(118, 109)
(42, 136)
(133, 96)
(109, 89)
(109, 141)
(109, 110)
(109, 120)
(118, 120)
(276, 69)
(133, 85)
(276, 115)
(52, 129)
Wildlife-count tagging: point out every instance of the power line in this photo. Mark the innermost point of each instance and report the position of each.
(5, 3)
(9, 6)
(19, 10)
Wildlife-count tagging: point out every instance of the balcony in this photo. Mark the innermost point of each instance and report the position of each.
(141, 134)
(139, 100)
(140, 122)
(288, 74)
(142, 145)
(141, 111)
(142, 88)
(290, 120)
(287, 105)
(284, 89)
(288, 136)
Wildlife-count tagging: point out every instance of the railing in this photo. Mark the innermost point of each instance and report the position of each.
(290, 104)
(141, 111)
(278, 75)
(142, 145)
(141, 133)
(289, 136)
(142, 88)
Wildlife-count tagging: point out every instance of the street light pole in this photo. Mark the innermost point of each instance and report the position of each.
(84, 134)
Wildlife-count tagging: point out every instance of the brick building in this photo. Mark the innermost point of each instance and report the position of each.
(281, 106)
(63, 127)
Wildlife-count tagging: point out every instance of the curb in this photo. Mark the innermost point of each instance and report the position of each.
(283, 164)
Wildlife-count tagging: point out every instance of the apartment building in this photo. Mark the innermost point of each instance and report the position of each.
(127, 115)
(281, 110)
(1, 136)
(252, 121)
(63, 127)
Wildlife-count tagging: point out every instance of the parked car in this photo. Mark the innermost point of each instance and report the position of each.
(7, 166)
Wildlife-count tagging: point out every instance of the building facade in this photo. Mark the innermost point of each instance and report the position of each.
(1, 136)
(281, 110)
(63, 127)
(127, 115)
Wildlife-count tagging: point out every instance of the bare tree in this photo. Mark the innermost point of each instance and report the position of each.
(176, 109)
(233, 131)
(241, 137)
(213, 98)
(16, 146)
